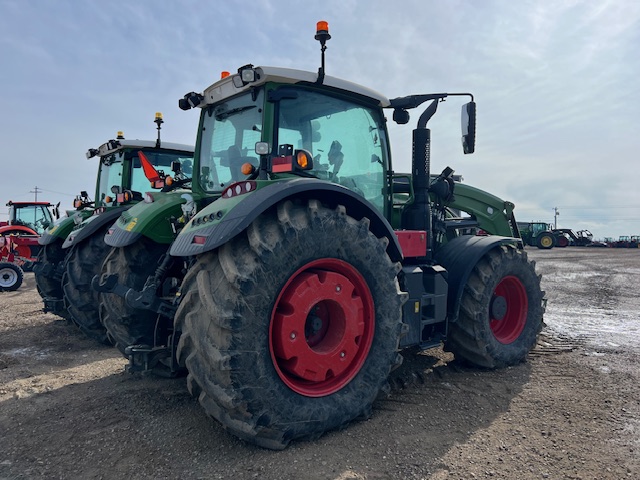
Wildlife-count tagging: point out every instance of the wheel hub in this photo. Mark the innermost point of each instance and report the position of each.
(8, 278)
(322, 327)
(498, 307)
(508, 310)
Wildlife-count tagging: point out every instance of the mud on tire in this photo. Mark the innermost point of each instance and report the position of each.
(501, 311)
(82, 301)
(125, 325)
(265, 303)
(48, 287)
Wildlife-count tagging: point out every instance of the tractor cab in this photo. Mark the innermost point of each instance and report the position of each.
(36, 216)
(128, 168)
(259, 132)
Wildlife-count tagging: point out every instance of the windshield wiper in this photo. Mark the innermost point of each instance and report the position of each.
(223, 115)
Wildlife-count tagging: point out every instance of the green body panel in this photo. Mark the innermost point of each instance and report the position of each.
(492, 213)
(222, 206)
(90, 219)
(63, 227)
(153, 219)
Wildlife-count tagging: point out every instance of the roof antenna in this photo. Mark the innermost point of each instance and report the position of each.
(322, 35)
(158, 121)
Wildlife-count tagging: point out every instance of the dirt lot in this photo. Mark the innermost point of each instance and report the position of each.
(67, 409)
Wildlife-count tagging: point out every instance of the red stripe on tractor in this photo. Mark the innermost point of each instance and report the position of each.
(412, 242)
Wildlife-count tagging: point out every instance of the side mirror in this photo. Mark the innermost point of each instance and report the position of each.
(469, 127)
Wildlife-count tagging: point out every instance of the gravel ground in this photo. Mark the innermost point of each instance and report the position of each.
(68, 410)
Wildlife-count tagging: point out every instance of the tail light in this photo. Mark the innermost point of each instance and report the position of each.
(239, 188)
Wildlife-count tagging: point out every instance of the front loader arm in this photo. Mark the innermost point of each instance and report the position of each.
(494, 215)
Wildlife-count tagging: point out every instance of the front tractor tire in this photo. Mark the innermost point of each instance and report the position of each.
(82, 301)
(291, 329)
(500, 312)
(562, 241)
(133, 264)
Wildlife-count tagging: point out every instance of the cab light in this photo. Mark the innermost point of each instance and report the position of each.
(123, 197)
(108, 199)
(302, 159)
(322, 27)
(262, 148)
(120, 135)
(248, 75)
(247, 169)
(245, 76)
(224, 74)
(148, 198)
(168, 180)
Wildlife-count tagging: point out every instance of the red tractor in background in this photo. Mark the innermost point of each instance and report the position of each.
(27, 221)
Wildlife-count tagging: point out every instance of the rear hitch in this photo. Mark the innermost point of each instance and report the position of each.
(108, 284)
(145, 300)
(52, 304)
(160, 361)
(148, 300)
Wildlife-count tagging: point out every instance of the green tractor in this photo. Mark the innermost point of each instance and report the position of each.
(540, 234)
(74, 248)
(310, 263)
(137, 275)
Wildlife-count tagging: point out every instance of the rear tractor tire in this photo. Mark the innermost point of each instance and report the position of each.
(291, 329)
(11, 277)
(52, 257)
(545, 241)
(134, 264)
(82, 301)
(500, 312)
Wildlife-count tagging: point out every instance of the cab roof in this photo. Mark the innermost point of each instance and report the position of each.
(115, 145)
(225, 87)
(26, 204)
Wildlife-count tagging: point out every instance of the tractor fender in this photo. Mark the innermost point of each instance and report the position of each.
(459, 256)
(238, 218)
(17, 230)
(58, 231)
(91, 225)
(151, 220)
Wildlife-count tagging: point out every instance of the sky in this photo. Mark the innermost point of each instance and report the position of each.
(556, 86)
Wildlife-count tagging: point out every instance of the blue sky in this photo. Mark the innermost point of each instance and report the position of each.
(556, 83)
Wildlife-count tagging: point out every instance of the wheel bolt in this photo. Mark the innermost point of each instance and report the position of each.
(342, 354)
(338, 288)
(292, 335)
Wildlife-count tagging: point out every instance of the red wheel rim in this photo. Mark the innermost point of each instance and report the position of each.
(322, 327)
(508, 310)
